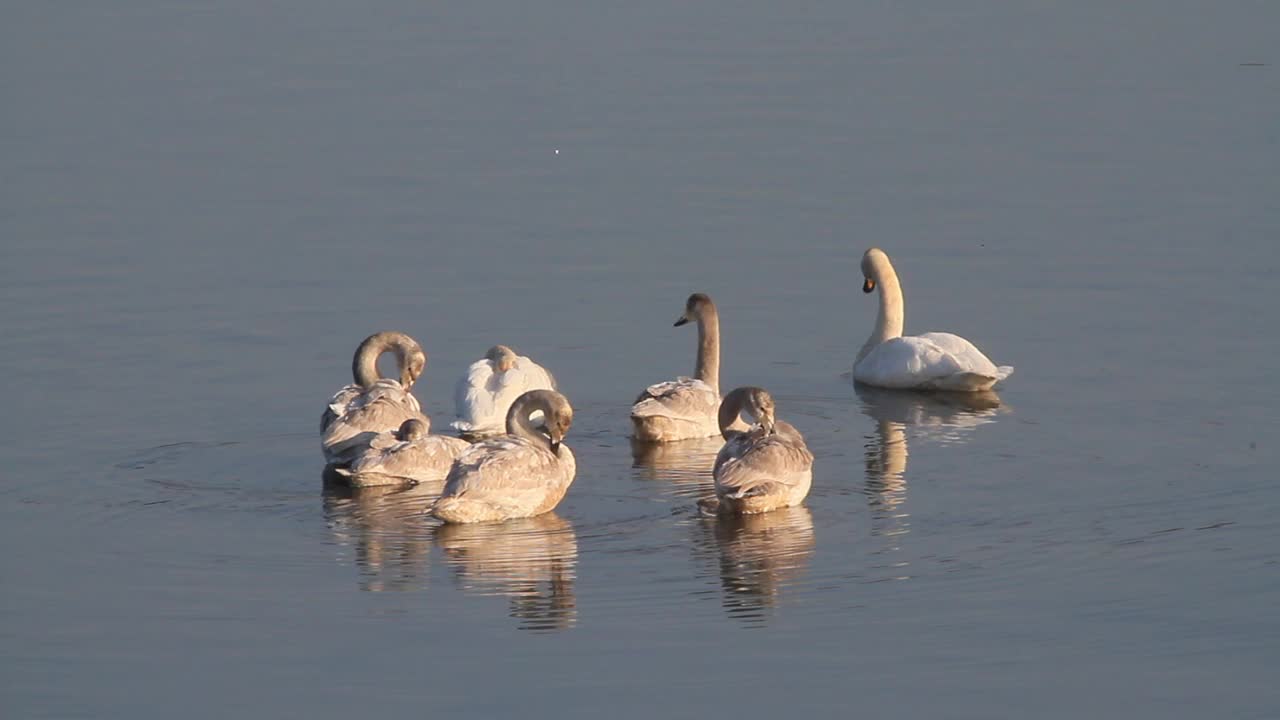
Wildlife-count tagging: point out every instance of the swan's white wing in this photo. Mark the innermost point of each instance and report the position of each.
(917, 362)
(531, 376)
(967, 356)
(473, 398)
(682, 399)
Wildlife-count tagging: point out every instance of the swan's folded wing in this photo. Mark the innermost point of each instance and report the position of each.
(429, 456)
(769, 464)
(472, 398)
(531, 376)
(508, 470)
(906, 362)
(966, 354)
(686, 399)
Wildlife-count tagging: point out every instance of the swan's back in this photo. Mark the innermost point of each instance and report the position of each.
(390, 461)
(383, 407)
(482, 396)
(676, 410)
(758, 471)
(934, 361)
(505, 477)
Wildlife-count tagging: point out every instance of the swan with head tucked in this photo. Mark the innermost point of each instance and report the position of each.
(373, 405)
(932, 361)
(483, 396)
(520, 474)
(765, 467)
(685, 408)
(409, 455)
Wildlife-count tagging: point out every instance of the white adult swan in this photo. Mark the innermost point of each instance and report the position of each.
(357, 413)
(409, 455)
(483, 396)
(765, 467)
(932, 361)
(520, 474)
(685, 408)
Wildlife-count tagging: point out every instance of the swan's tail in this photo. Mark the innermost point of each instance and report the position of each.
(1003, 372)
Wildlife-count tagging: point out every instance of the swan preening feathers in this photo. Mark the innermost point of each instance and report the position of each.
(521, 474)
(358, 413)
(485, 393)
(377, 428)
(765, 467)
(932, 361)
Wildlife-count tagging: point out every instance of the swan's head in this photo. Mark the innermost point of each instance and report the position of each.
(874, 264)
(694, 307)
(559, 417)
(502, 357)
(754, 401)
(415, 362)
(412, 429)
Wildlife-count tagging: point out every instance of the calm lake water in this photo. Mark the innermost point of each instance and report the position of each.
(206, 207)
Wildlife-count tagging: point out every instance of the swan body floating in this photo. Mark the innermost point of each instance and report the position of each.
(409, 455)
(932, 361)
(373, 405)
(765, 467)
(483, 396)
(685, 408)
(520, 474)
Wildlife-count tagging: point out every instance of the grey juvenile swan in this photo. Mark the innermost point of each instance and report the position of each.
(372, 405)
(520, 474)
(765, 467)
(686, 407)
(409, 455)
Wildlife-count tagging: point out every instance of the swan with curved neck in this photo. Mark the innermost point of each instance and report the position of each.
(491, 384)
(521, 474)
(932, 361)
(685, 408)
(765, 467)
(357, 413)
(411, 455)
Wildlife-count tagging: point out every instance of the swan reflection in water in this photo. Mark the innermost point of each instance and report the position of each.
(945, 418)
(683, 466)
(383, 526)
(532, 561)
(756, 556)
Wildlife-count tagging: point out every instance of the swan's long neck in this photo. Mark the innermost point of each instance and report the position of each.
(519, 424)
(708, 368)
(730, 409)
(889, 320)
(364, 366)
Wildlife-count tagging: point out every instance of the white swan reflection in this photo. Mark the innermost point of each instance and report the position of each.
(384, 529)
(757, 557)
(531, 561)
(945, 418)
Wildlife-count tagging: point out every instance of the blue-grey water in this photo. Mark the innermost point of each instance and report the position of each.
(206, 206)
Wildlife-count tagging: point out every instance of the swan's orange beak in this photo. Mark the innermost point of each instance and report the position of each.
(868, 285)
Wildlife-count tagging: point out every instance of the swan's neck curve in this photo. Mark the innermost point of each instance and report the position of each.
(519, 424)
(708, 367)
(890, 318)
(364, 366)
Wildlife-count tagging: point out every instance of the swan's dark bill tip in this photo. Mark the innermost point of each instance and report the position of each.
(680, 322)
(868, 285)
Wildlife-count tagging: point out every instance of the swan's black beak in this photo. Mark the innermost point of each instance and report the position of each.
(680, 322)
(555, 446)
(868, 285)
